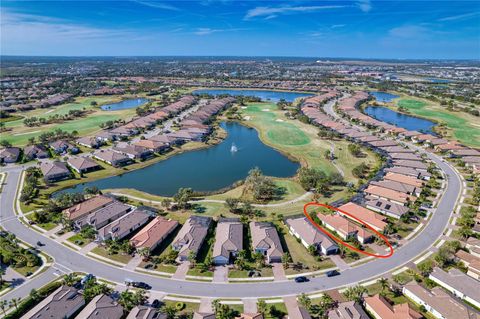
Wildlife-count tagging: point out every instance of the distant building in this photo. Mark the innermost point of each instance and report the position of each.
(380, 308)
(82, 164)
(9, 154)
(124, 226)
(348, 310)
(145, 312)
(115, 159)
(459, 284)
(35, 151)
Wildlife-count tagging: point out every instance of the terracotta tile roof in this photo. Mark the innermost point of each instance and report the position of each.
(405, 179)
(87, 207)
(389, 194)
(156, 230)
(373, 219)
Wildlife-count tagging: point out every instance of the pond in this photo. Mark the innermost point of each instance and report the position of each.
(208, 169)
(383, 96)
(265, 95)
(408, 122)
(126, 104)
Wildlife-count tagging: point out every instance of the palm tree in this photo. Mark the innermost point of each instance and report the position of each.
(2, 273)
(14, 303)
(69, 280)
(34, 294)
(3, 306)
(383, 283)
(262, 307)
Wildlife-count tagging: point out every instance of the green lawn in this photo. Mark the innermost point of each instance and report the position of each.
(18, 133)
(465, 127)
(115, 257)
(266, 272)
(197, 272)
(79, 240)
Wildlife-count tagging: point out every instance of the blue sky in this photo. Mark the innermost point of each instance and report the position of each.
(363, 29)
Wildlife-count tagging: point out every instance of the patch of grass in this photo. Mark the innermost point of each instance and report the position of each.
(115, 257)
(25, 270)
(166, 268)
(198, 272)
(465, 127)
(235, 273)
(79, 240)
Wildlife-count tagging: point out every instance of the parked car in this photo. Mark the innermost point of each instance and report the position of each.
(141, 284)
(332, 273)
(86, 278)
(301, 279)
(156, 303)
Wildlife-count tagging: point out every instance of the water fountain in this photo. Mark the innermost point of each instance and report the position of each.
(233, 148)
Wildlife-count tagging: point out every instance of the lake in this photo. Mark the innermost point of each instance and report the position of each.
(208, 169)
(408, 122)
(265, 95)
(126, 104)
(383, 96)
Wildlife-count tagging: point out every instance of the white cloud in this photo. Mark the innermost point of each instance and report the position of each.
(336, 26)
(207, 31)
(460, 17)
(273, 12)
(157, 5)
(364, 5)
(408, 31)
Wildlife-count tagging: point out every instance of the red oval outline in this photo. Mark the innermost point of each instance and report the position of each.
(338, 240)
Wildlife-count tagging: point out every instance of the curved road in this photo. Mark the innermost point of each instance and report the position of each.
(71, 260)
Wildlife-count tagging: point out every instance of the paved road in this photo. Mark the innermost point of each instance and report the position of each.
(69, 259)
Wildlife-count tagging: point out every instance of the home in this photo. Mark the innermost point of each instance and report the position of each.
(151, 144)
(437, 302)
(103, 216)
(419, 166)
(35, 151)
(458, 283)
(265, 240)
(190, 238)
(405, 156)
(54, 171)
(397, 186)
(471, 261)
(102, 306)
(473, 245)
(133, 151)
(145, 312)
(389, 194)
(9, 154)
(154, 233)
(386, 207)
(62, 303)
(90, 142)
(250, 316)
(105, 136)
(124, 226)
(404, 179)
(374, 220)
(82, 164)
(345, 228)
(348, 310)
(113, 158)
(380, 308)
(88, 206)
(62, 147)
(309, 235)
(124, 132)
(228, 240)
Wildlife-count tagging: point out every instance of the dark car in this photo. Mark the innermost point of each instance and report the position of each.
(40, 244)
(142, 285)
(301, 279)
(156, 303)
(332, 273)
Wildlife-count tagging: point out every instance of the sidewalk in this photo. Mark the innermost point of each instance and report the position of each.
(220, 274)
(278, 272)
(182, 270)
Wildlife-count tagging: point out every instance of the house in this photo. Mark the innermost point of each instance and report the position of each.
(153, 233)
(471, 261)
(124, 226)
(309, 235)
(102, 307)
(82, 164)
(405, 156)
(459, 284)
(103, 216)
(9, 154)
(105, 136)
(250, 316)
(389, 194)
(124, 132)
(55, 171)
(145, 312)
(62, 303)
(348, 310)
(374, 220)
(473, 245)
(133, 151)
(35, 151)
(412, 164)
(87, 207)
(386, 207)
(228, 241)
(90, 142)
(437, 302)
(190, 238)
(380, 308)
(397, 186)
(265, 240)
(405, 179)
(404, 171)
(113, 158)
(151, 144)
(345, 228)
(203, 315)
(62, 147)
